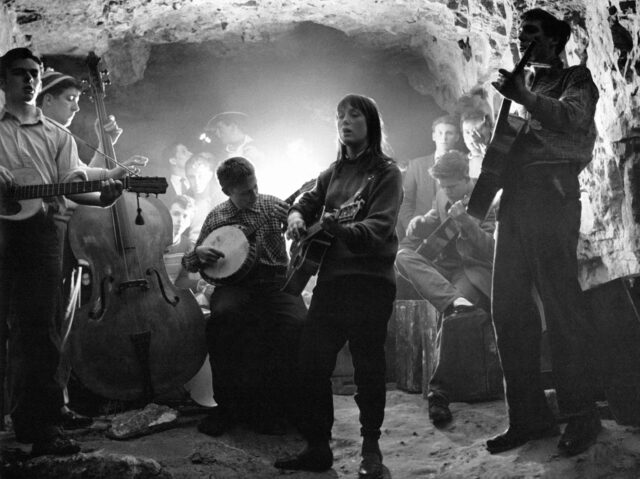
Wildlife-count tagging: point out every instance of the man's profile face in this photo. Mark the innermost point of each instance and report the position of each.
(245, 194)
(181, 219)
(63, 107)
(199, 177)
(545, 49)
(445, 136)
(454, 188)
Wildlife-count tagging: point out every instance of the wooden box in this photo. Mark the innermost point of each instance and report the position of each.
(415, 334)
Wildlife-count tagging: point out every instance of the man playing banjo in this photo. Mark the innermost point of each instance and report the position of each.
(253, 331)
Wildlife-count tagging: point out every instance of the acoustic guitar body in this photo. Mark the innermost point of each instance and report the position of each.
(19, 210)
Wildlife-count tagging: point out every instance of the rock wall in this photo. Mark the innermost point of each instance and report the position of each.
(441, 48)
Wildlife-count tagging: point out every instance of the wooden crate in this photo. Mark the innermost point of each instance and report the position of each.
(415, 335)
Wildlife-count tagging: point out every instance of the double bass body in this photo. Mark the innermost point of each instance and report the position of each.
(138, 335)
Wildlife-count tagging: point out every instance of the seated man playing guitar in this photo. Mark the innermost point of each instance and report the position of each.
(452, 267)
(254, 327)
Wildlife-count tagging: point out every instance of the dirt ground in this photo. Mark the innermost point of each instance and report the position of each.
(412, 447)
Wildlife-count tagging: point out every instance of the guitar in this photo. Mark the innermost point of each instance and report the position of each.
(505, 133)
(239, 250)
(308, 252)
(23, 198)
(438, 240)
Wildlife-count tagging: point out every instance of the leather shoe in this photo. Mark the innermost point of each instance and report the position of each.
(517, 436)
(216, 423)
(271, 427)
(317, 458)
(56, 444)
(579, 434)
(370, 466)
(440, 414)
(72, 420)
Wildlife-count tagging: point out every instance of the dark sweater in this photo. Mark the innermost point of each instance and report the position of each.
(368, 245)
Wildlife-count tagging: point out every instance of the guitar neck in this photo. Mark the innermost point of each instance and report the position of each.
(26, 192)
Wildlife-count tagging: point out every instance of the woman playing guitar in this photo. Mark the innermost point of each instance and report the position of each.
(355, 290)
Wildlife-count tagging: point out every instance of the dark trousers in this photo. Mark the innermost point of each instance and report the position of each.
(537, 237)
(253, 336)
(30, 269)
(354, 309)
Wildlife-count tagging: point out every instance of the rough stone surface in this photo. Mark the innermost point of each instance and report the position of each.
(421, 41)
(140, 422)
(95, 465)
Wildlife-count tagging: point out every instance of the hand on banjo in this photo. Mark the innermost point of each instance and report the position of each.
(208, 254)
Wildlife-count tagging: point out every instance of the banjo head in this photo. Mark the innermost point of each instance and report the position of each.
(235, 246)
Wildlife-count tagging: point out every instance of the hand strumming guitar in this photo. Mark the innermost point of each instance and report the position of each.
(417, 225)
(296, 227)
(208, 254)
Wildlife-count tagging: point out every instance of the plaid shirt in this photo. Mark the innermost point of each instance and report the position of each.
(271, 247)
(561, 126)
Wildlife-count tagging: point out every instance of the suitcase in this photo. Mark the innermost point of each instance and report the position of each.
(468, 365)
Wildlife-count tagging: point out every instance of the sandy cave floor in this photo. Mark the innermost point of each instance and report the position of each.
(412, 447)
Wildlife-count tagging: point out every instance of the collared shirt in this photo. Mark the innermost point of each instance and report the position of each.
(42, 146)
(271, 247)
(561, 127)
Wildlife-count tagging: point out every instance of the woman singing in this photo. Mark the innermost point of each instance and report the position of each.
(354, 295)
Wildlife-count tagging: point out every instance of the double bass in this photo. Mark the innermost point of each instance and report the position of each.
(137, 336)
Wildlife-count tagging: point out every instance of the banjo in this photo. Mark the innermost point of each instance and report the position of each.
(239, 250)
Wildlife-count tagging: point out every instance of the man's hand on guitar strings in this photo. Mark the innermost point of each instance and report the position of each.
(208, 254)
(329, 223)
(511, 86)
(111, 191)
(296, 227)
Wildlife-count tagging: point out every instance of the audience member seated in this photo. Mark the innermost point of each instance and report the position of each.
(454, 273)
(203, 188)
(181, 211)
(476, 133)
(175, 156)
(419, 186)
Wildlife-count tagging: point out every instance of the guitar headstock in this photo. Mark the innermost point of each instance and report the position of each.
(149, 185)
(306, 186)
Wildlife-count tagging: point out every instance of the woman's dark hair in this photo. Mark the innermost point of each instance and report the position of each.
(375, 131)
(233, 171)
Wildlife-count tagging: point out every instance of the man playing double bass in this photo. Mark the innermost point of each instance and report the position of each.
(254, 328)
(30, 254)
(538, 228)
